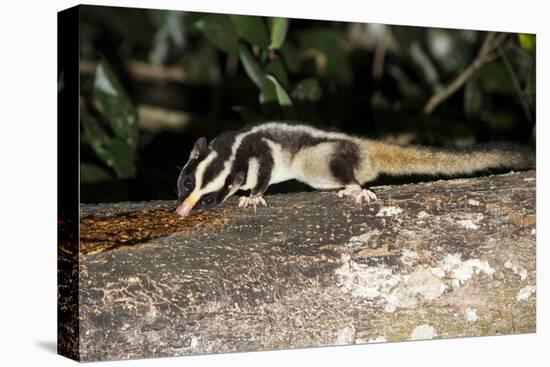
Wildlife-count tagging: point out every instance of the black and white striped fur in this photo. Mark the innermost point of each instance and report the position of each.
(257, 156)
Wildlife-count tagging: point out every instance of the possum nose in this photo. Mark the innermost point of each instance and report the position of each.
(183, 210)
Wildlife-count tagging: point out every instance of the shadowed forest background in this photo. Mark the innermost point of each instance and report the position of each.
(152, 82)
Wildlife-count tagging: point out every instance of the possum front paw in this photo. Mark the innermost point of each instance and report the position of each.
(246, 201)
(357, 193)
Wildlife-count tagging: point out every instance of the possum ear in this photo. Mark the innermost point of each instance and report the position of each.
(238, 180)
(199, 146)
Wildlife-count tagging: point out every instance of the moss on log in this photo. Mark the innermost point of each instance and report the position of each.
(443, 259)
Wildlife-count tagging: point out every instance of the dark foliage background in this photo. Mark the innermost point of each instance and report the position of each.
(153, 81)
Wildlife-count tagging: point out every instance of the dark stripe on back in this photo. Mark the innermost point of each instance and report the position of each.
(291, 141)
(344, 161)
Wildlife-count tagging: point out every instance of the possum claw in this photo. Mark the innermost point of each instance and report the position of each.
(246, 201)
(358, 194)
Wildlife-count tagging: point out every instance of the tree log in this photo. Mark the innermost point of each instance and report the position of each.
(443, 259)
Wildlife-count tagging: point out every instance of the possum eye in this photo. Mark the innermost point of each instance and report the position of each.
(208, 200)
(188, 183)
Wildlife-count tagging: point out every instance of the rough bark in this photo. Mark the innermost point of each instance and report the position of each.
(432, 260)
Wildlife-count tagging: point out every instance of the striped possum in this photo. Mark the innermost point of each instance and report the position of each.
(257, 156)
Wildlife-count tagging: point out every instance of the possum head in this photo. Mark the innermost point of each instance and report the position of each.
(207, 179)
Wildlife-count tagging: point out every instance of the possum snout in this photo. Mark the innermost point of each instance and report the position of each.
(183, 210)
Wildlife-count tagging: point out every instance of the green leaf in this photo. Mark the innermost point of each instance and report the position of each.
(268, 94)
(308, 90)
(279, 28)
(472, 97)
(269, 106)
(251, 66)
(93, 133)
(277, 69)
(170, 32)
(91, 173)
(527, 41)
(325, 47)
(219, 30)
(114, 152)
(115, 104)
(282, 96)
(121, 158)
(252, 29)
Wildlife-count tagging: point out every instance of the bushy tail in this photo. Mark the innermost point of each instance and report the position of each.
(402, 160)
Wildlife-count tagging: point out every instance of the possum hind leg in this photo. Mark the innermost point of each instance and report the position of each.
(357, 193)
(342, 166)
